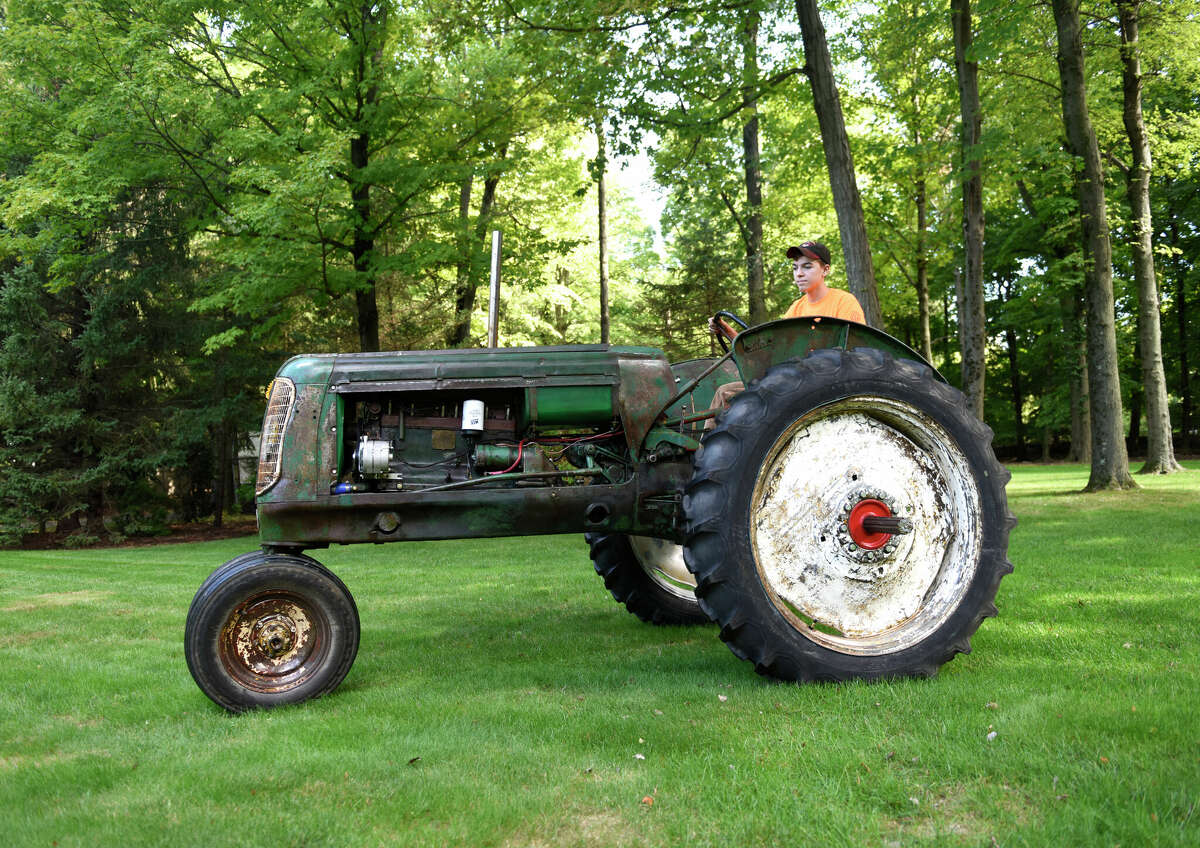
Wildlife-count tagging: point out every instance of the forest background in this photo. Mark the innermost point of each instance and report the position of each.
(191, 191)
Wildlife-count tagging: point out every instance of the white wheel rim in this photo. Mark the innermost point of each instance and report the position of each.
(663, 563)
(836, 596)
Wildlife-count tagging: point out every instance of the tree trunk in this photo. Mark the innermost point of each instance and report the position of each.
(1160, 452)
(946, 329)
(602, 228)
(1185, 384)
(1135, 399)
(220, 480)
(363, 247)
(1110, 460)
(561, 319)
(470, 262)
(1081, 419)
(95, 510)
(751, 159)
(464, 284)
(922, 200)
(1017, 397)
(860, 272)
(972, 328)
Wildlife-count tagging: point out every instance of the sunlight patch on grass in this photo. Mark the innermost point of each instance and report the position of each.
(590, 829)
(18, 639)
(959, 813)
(57, 599)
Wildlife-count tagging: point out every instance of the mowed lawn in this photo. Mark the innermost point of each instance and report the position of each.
(501, 698)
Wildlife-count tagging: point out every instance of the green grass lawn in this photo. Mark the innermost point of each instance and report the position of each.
(501, 698)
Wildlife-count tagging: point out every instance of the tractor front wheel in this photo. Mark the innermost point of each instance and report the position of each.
(268, 629)
(847, 519)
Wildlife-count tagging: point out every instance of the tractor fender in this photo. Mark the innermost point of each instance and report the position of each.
(760, 348)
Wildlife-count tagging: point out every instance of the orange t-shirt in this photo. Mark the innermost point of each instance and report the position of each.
(835, 304)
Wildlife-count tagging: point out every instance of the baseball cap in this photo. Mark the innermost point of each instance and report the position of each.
(811, 249)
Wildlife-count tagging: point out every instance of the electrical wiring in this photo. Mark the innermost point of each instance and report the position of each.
(520, 451)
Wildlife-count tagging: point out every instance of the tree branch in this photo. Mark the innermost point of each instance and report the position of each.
(736, 217)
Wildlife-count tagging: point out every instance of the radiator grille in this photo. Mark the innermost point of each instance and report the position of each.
(280, 398)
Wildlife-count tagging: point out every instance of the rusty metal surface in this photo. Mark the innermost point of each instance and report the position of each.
(273, 642)
(300, 511)
(508, 426)
(866, 601)
(562, 365)
(646, 386)
(304, 467)
(647, 505)
(758, 349)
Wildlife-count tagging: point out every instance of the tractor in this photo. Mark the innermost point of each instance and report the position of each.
(844, 518)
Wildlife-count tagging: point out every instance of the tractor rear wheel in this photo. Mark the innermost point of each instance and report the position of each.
(847, 519)
(268, 629)
(648, 576)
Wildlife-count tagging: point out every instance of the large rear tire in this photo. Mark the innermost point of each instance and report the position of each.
(775, 513)
(270, 629)
(648, 576)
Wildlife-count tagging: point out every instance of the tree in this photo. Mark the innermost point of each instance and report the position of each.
(908, 109)
(602, 228)
(1160, 456)
(971, 317)
(1110, 461)
(860, 270)
(751, 159)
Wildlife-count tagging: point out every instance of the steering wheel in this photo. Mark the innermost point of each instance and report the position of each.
(725, 333)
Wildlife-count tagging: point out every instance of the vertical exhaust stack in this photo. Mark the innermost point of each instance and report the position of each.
(494, 304)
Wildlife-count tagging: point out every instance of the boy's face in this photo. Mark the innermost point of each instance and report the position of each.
(808, 273)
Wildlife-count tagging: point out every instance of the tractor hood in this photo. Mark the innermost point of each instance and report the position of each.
(637, 381)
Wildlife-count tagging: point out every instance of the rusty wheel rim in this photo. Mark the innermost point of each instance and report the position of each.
(274, 641)
(864, 450)
(663, 563)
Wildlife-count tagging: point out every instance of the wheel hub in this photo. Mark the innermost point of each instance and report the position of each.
(663, 563)
(269, 641)
(276, 635)
(858, 541)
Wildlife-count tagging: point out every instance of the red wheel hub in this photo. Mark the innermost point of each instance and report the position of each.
(860, 535)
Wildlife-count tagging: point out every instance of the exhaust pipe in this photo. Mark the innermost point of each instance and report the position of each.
(494, 304)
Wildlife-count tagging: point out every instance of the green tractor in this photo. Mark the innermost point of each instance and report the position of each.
(844, 518)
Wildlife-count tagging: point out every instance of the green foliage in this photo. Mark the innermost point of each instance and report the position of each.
(190, 192)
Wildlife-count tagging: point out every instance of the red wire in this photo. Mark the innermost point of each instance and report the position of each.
(520, 450)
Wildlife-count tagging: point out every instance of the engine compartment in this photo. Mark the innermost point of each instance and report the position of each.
(495, 437)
